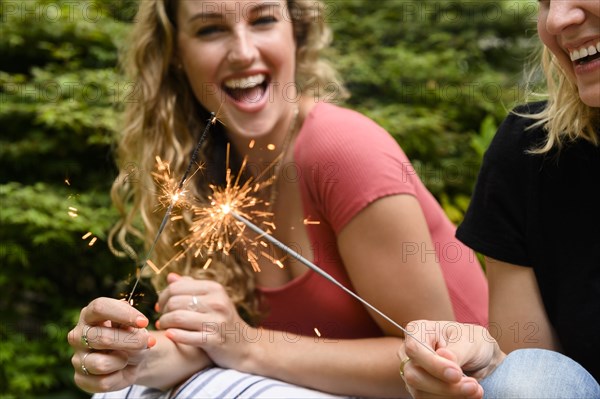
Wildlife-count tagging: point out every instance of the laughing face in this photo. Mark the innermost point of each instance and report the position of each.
(571, 30)
(240, 55)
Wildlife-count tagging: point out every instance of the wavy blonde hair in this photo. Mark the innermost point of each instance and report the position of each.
(165, 120)
(565, 118)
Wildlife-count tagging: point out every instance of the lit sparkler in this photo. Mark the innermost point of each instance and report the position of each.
(169, 190)
(221, 225)
(175, 196)
(213, 228)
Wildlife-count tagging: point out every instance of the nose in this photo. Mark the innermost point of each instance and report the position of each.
(563, 14)
(242, 49)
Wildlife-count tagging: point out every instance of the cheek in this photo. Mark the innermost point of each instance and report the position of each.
(284, 55)
(201, 78)
(561, 57)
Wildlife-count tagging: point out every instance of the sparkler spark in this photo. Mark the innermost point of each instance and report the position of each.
(73, 212)
(214, 229)
(88, 235)
(308, 222)
(170, 191)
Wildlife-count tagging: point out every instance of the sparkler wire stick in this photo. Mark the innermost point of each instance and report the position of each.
(322, 272)
(211, 121)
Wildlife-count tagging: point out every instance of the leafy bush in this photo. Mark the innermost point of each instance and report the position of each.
(439, 75)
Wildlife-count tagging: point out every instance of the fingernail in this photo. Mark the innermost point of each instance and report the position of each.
(141, 321)
(169, 335)
(156, 307)
(468, 388)
(157, 324)
(151, 341)
(451, 374)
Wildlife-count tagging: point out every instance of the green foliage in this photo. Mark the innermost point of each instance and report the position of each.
(430, 72)
(58, 112)
(438, 75)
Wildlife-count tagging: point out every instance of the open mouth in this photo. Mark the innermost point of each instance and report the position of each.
(585, 54)
(249, 89)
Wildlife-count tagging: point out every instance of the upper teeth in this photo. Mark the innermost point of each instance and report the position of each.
(245, 83)
(584, 52)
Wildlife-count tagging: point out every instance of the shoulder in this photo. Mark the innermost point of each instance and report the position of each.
(324, 114)
(496, 222)
(517, 133)
(516, 136)
(330, 130)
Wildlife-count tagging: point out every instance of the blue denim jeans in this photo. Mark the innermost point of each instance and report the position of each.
(538, 373)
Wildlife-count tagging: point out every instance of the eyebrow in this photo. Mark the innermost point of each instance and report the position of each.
(211, 15)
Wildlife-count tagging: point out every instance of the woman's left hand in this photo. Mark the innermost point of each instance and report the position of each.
(200, 313)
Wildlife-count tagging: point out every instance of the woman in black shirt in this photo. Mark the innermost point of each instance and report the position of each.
(535, 215)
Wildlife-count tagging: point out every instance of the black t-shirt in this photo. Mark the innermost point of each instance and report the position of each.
(543, 211)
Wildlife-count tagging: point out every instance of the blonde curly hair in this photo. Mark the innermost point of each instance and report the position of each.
(165, 120)
(565, 117)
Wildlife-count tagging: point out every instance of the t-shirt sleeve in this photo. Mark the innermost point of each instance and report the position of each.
(496, 221)
(351, 162)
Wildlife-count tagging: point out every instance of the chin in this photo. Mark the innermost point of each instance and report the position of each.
(592, 101)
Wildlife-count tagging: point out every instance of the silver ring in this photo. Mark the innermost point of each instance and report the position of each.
(84, 338)
(83, 368)
(194, 303)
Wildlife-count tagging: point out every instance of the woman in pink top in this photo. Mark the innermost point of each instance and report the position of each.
(345, 197)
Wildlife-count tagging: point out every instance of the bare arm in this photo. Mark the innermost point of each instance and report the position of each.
(517, 315)
(371, 248)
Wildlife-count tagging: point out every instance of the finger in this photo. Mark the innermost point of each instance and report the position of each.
(196, 303)
(108, 338)
(187, 286)
(172, 277)
(114, 310)
(441, 368)
(419, 380)
(99, 363)
(107, 382)
(185, 319)
(192, 338)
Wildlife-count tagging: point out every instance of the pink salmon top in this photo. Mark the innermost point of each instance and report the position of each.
(345, 161)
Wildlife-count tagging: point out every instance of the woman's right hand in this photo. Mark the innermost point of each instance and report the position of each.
(465, 354)
(110, 343)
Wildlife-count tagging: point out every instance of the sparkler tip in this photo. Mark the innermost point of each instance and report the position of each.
(226, 209)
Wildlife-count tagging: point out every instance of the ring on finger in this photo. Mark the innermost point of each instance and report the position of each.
(84, 337)
(193, 305)
(84, 369)
(402, 364)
